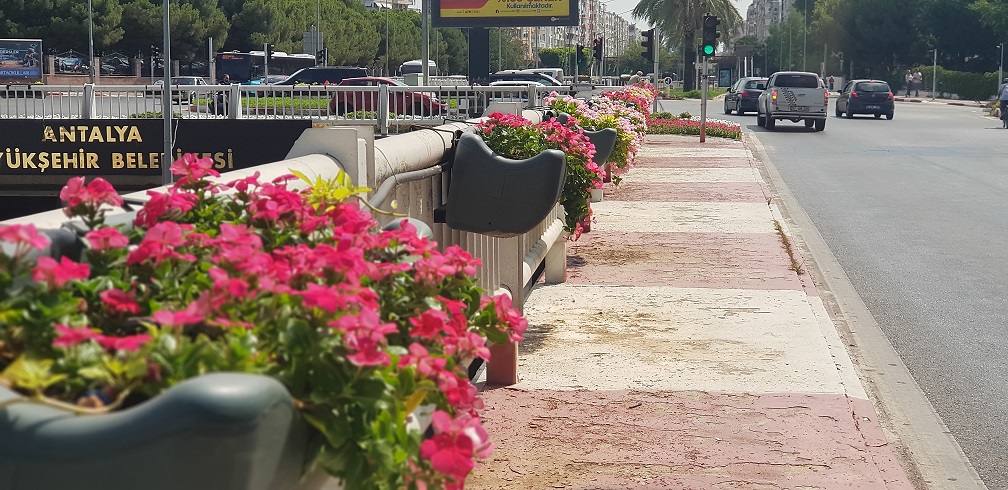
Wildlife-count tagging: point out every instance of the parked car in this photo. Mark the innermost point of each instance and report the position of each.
(512, 90)
(865, 97)
(742, 96)
(795, 96)
(181, 95)
(408, 102)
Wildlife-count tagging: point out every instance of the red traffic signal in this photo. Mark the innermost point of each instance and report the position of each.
(598, 49)
(648, 44)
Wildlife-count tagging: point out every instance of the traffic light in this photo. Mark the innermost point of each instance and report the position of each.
(710, 35)
(580, 54)
(321, 56)
(269, 51)
(648, 44)
(598, 49)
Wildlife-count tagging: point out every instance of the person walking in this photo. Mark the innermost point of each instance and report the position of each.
(1003, 102)
(636, 77)
(918, 80)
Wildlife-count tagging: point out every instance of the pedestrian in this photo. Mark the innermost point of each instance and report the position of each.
(918, 79)
(831, 83)
(636, 77)
(908, 81)
(1003, 102)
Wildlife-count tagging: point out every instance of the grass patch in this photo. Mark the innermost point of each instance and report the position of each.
(795, 265)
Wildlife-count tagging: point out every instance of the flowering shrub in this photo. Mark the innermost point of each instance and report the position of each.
(723, 129)
(361, 325)
(517, 138)
(617, 110)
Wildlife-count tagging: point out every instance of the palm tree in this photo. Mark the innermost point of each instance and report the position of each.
(680, 19)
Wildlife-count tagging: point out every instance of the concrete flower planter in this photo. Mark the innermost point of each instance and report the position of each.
(222, 431)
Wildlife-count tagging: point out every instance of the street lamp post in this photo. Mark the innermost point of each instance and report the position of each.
(90, 43)
(934, 75)
(1001, 64)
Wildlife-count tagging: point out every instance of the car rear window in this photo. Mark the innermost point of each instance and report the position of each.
(754, 83)
(872, 87)
(797, 81)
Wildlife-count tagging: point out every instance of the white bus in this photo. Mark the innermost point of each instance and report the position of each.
(414, 66)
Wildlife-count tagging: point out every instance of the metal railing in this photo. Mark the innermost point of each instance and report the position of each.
(383, 106)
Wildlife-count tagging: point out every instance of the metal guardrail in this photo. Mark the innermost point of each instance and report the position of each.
(383, 106)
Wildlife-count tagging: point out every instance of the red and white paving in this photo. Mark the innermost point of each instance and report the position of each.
(684, 351)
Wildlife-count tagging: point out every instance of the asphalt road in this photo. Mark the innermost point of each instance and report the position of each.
(914, 212)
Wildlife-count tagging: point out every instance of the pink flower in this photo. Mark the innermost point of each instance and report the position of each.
(421, 359)
(364, 336)
(455, 444)
(191, 168)
(23, 234)
(107, 237)
(124, 344)
(69, 336)
(80, 197)
(428, 324)
(119, 301)
(196, 312)
(57, 274)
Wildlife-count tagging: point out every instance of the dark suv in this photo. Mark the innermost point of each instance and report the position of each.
(742, 96)
(319, 75)
(865, 97)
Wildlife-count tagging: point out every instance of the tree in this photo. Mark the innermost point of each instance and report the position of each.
(681, 19)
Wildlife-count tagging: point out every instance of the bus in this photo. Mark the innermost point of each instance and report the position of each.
(244, 67)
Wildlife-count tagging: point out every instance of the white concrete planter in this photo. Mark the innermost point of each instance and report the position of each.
(596, 195)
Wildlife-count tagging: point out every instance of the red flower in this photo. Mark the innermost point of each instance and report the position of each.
(124, 344)
(69, 336)
(23, 234)
(107, 237)
(57, 274)
(119, 301)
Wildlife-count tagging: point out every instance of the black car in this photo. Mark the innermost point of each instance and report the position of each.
(865, 97)
(742, 96)
(323, 75)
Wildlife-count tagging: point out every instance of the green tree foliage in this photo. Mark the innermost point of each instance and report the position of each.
(679, 23)
(507, 52)
(450, 50)
(399, 31)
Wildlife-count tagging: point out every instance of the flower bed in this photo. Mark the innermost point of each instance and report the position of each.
(362, 326)
(722, 129)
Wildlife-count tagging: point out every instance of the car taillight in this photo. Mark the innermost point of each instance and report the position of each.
(890, 96)
(825, 97)
(853, 95)
(773, 96)
(744, 94)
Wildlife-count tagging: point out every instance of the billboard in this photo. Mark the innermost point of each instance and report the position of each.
(504, 13)
(20, 60)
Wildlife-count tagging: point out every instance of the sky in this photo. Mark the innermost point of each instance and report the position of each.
(624, 8)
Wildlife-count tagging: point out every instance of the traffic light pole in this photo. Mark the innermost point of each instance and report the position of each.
(703, 103)
(654, 79)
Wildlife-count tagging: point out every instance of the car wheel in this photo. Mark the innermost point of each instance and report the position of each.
(738, 108)
(760, 120)
(808, 123)
(770, 121)
(889, 116)
(877, 115)
(820, 124)
(837, 112)
(850, 114)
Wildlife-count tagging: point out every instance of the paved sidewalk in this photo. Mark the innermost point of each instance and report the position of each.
(684, 351)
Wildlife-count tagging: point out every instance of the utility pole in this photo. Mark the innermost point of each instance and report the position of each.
(934, 75)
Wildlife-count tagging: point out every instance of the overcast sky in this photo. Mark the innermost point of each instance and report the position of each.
(624, 7)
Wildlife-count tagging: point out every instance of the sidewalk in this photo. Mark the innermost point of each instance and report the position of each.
(684, 351)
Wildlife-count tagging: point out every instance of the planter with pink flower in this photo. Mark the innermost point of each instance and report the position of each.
(240, 335)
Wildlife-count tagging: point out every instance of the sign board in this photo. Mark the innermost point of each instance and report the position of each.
(504, 13)
(667, 80)
(39, 156)
(20, 60)
(724, 77)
